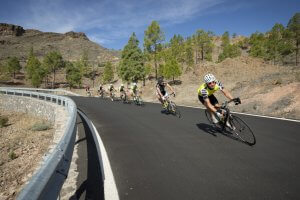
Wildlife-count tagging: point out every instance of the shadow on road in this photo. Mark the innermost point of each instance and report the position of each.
(90, 183)
(210, 129)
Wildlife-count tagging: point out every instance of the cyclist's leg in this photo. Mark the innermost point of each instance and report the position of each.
(214, 101)
(201, 99)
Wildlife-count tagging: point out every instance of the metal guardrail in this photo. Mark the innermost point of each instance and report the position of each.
(44, 90)
(47, 181)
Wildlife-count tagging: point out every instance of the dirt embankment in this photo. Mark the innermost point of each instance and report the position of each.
(21, 150)
(264, 88)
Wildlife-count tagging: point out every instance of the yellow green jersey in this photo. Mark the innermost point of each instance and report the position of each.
(205, 91)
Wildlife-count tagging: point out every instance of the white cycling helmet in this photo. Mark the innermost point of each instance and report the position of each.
(209, 78)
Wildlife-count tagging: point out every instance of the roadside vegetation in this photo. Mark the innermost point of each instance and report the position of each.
(157, 57)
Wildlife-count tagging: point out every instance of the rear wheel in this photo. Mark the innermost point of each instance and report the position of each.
(242, 130)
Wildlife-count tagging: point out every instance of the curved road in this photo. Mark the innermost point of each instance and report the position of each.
(158, 156)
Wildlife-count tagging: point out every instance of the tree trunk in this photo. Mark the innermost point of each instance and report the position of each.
(144, 81)
(155, 63)
(202, 54)
(53, 79)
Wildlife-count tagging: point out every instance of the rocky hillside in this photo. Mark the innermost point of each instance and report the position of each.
(17, 41)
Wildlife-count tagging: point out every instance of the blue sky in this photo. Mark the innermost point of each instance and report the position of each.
(111, 22)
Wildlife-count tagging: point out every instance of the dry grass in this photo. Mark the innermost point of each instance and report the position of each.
(21, 150)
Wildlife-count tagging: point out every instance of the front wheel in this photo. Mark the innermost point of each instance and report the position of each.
(174, 109)
(242, 130)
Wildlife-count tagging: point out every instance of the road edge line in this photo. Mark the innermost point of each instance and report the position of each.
(110, 188)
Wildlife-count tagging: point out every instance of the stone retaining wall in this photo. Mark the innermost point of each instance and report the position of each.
(35, 107)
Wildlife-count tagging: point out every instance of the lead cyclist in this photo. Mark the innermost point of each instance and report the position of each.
(206, 97)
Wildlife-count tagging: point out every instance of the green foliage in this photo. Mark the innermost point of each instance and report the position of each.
(229, 50)
(204, 45)
(153, 37)
(3, 121)
(12, 155)
(73, 74)
(294, 29)
(131, 67)
(171, 69)
(52, 62)
(84, 61)
(108, 74)
(40, 126)
(34, 70)
(189, 53)
(13, 66)
(258, 45)
(177, 48)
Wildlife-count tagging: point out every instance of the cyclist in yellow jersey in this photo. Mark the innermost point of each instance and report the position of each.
(206, 97)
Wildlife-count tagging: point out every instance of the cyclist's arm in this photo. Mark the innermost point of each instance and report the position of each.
(171, 88)
(227, 94)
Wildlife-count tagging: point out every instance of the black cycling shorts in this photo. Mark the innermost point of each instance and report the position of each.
(213, 100)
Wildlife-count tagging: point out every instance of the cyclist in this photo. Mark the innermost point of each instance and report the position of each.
(101, 90)
(87, 90)
(206, 97)
(122, 91)
(111, 90)
(134, 91)
(161, 90)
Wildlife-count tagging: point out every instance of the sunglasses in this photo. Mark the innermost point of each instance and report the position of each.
(213, 82)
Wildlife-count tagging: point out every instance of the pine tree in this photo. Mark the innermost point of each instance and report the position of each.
(53, 61)
(203, 44)
(229, 50)
(108, 74)
(152, 38)
(171, 68)
(177, 47)
(294, 27)
(131, 67)
(13, 66)
(73, 74)
(189, 60)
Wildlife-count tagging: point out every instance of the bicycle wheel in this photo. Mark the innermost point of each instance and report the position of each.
(174, 109)
(208, 116)
(242, 130)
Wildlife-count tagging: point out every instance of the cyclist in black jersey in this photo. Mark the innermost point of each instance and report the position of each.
(161, 90)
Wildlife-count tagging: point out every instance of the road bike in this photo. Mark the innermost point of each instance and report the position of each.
(171, 107)
(232, 124)
(101, 94)
(137, 100)
(124, 97)
(112, 96)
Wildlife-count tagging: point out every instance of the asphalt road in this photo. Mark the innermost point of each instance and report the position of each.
(159, 156)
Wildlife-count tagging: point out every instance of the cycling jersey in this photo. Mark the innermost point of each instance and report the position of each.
(134, 88)
(121, 89)
(162, 88)
(205, 91)
(111, 88)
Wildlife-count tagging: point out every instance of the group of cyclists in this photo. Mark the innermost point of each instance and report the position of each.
(205, 94)
(133, 90)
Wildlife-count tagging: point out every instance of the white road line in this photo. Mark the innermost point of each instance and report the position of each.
(110, 188)
(263, 116)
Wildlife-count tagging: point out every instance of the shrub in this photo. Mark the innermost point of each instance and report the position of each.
(3, 121)
(40, 126)
(12, 155)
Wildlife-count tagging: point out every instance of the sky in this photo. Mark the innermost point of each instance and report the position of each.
(110, 23)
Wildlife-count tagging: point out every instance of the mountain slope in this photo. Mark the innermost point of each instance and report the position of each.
(16, 41)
